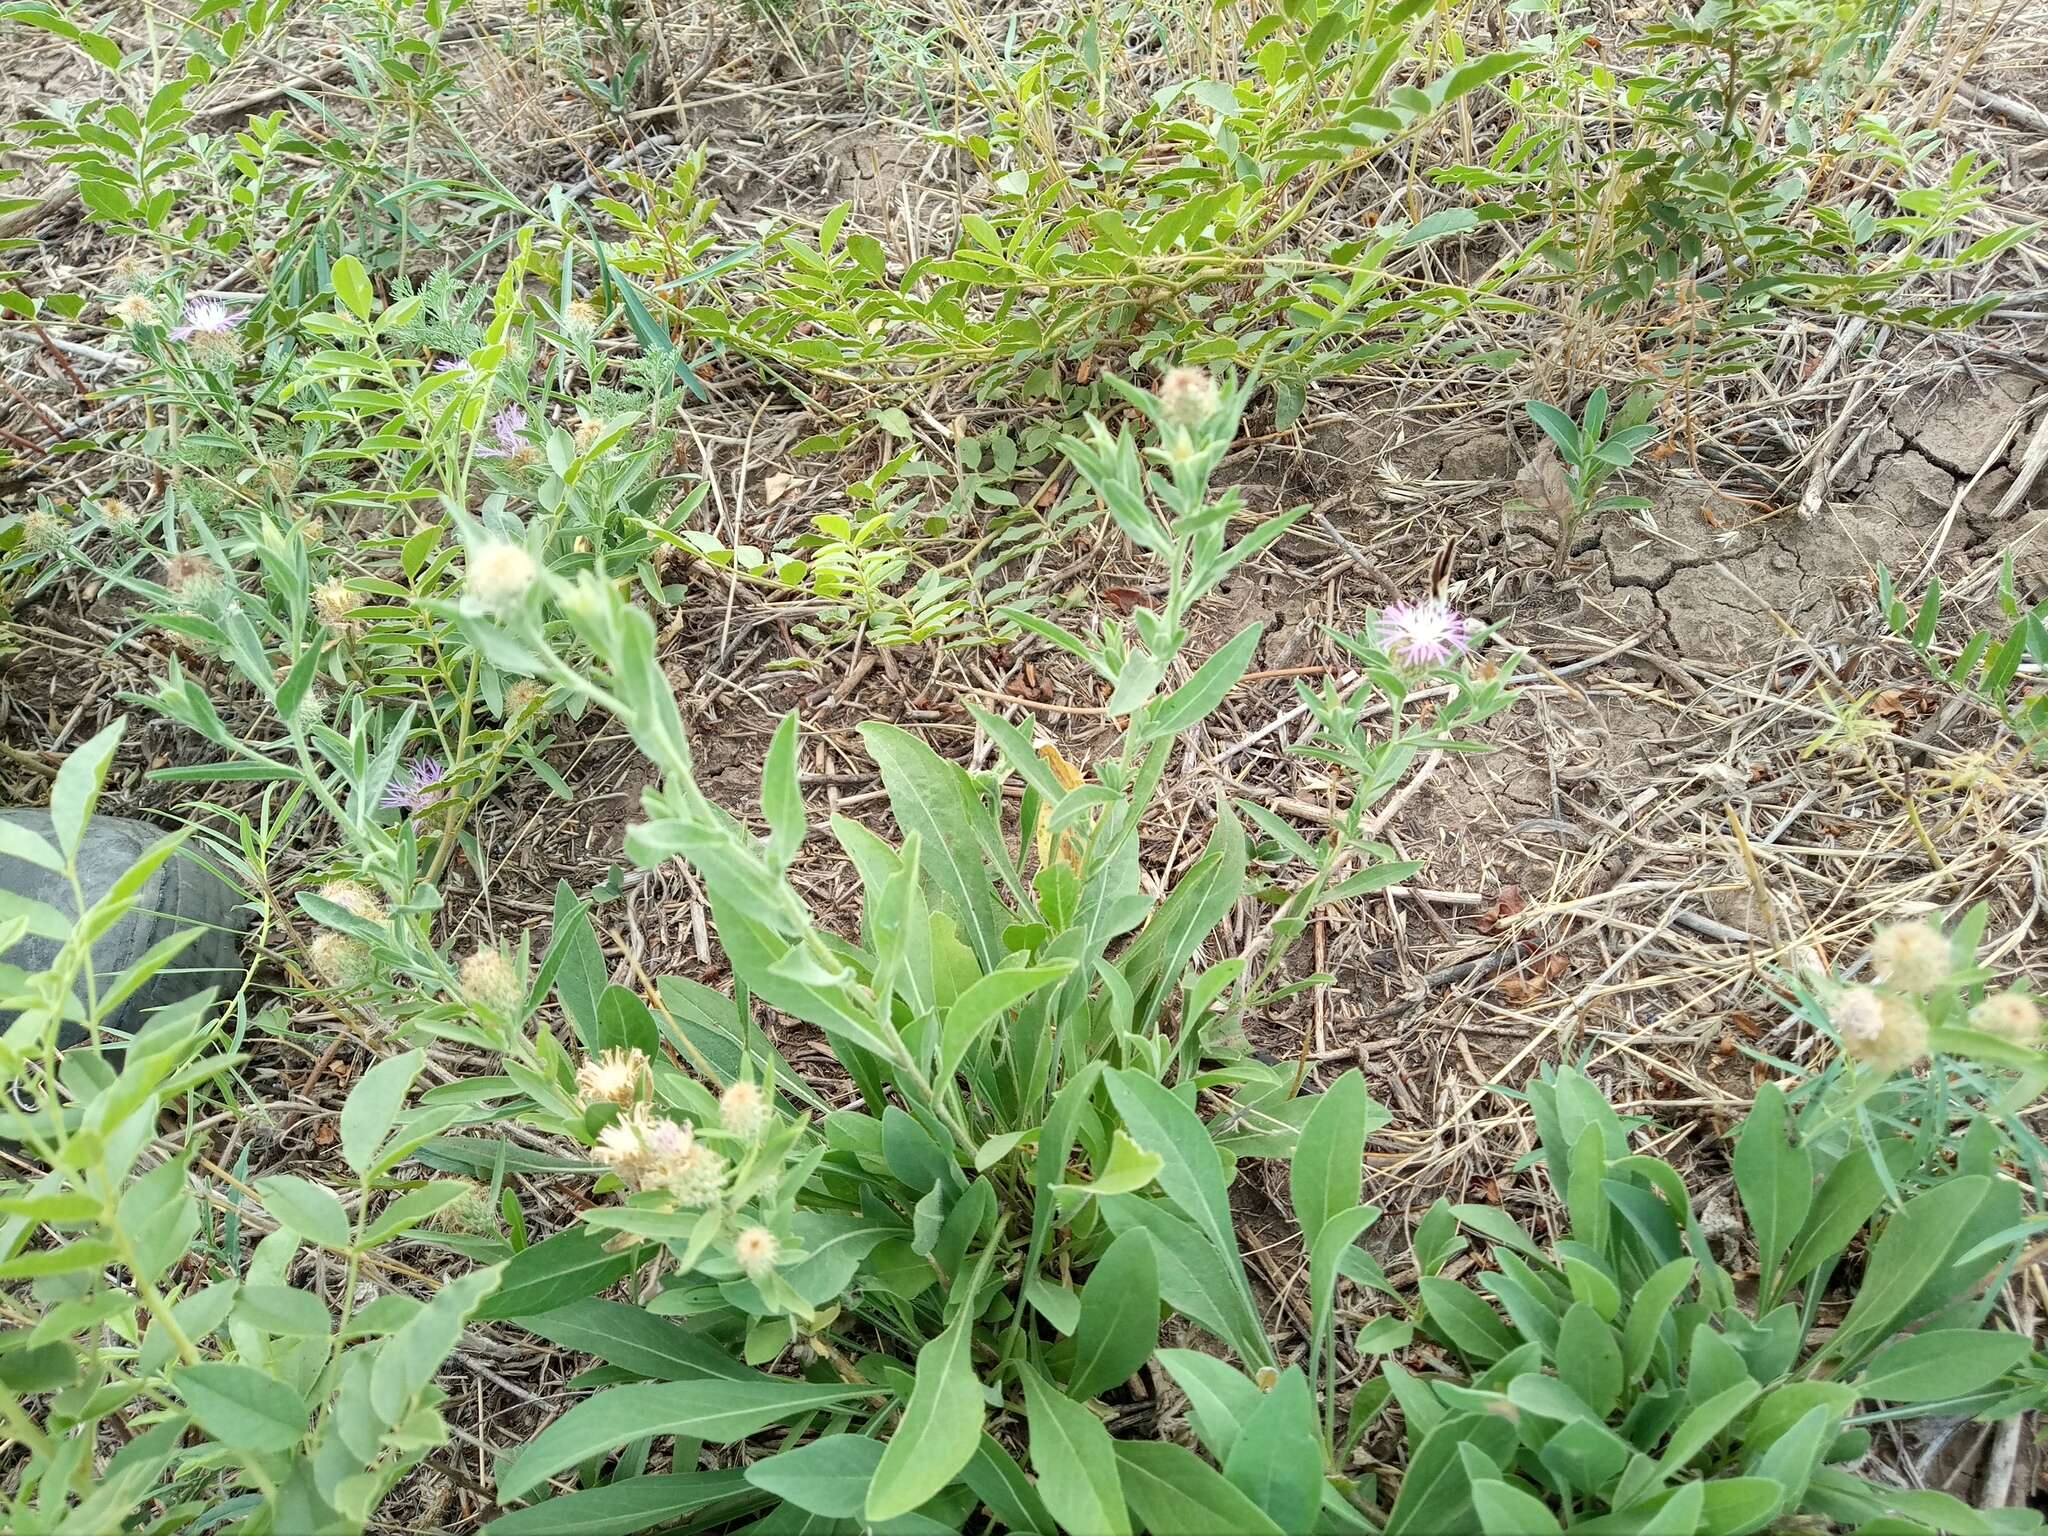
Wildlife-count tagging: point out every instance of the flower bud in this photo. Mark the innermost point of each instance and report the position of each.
(757, 1249)
(342, 961)
(744, 1110)
(1188, 396)
(491, 981)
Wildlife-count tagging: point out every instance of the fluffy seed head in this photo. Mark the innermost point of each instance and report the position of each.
(43, 531)
(696, 1177)
(117, 514)
(133, 309)
(335, 603)
(1911, 956)
(613, 1078)
(500, 574)
(744, 1110)
(588, 431)
(354, 898)
(580, 319)
(1858, 1015)
(523, 698)
(757, 1250)
(1188, 396)
(341, 961)
(1901, 1037)
(2011, 1016)
(491, 981)
(622, 1146)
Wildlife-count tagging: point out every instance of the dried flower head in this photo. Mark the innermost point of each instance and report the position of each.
(757, 1249)
(117, 514)
(133, 309)
(491, 980)
(1425, 634)
(500, 574)
(580, 319)
(341, 961)
(744, 1110)
(525, 700)
(190, 578)
(1911, 956)
(356, 899)
(616, 1077)
(1188, 396)
(129, 272)
(1900, 1040)
(588, 430)
(334, 604)
(2012, 1016)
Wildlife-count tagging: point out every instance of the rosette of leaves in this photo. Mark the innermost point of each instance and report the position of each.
(1621, 1379)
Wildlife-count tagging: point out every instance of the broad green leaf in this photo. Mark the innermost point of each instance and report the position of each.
(1848, 1197)
(1128, 1169)
(1944, 1363)
(1277, 1460)
(306, 1208)
(373, 1105)
(1119, 1323)
(1589, 1358)
(1190, 1174)
(1074, 1459)
(1474, 1329)
(77, 787)
(1773, 1177)
(1916, 1246)
(243, 1408)
(549, 1275)
(1699, 1427)
(1648, 1313)
(1172, 1489)
(829, 1476)
(635, 1340)
(988, 1000)
(714, 1410)
(1220, 1396)
(1436, 1492)
(624, 1507)
(1327, 1174)
(352, 286)
(1193, 702)
(935, 800)
(1506, 1511)
(941, 1425)
(1191, 1280)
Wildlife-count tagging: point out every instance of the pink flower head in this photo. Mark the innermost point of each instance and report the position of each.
(1426, 634)
(417, 786)
(207, 317)
(508, 427)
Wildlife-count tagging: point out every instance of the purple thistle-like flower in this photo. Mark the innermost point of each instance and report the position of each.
(416, 786)
(508, 426)
(207, 317)
(1426, 634)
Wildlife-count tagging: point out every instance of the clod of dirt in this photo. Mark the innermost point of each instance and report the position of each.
(1963, 430)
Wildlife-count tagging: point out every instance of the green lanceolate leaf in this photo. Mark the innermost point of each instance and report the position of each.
(1074, 1459)
(1774, 1178)
(549, 1275)
(828, 1476)
(1916, 1246)
(1327, 1174)
(1119, 1323)
(715, 1410)
(373, 1106)
(987, 1000)
(1173, 1489)
(1436, 1492)
(935, 800)
(1946, 1363)
(941, 1425)
(1277, 1459)
(243, 1408)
